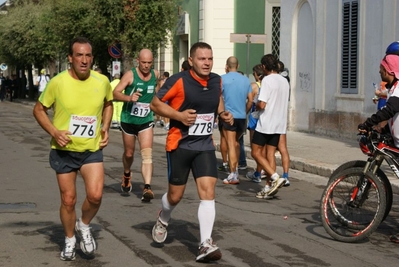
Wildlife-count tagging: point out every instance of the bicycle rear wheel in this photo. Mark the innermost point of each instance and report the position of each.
(347, 216)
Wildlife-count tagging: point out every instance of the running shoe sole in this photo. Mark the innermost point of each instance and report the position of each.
(273, 191)
(126, 189)
(394, 238)
(147, 196)
(278, 183)
(231, 182)
(212, 256)
(266, 196)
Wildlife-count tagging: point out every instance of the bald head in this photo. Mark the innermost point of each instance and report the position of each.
(145, 53)
(144, 60)
(232, 64)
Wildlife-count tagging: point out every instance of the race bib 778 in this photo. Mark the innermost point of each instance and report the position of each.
(203, 125)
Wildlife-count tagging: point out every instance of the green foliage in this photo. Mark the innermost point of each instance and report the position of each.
(39, 31)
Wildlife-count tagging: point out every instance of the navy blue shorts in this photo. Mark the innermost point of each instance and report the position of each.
(67, 161)
(181, 161)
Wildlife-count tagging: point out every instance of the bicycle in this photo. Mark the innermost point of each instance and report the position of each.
(358, 195)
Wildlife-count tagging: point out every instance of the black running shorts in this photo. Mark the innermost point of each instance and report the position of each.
(262, 139)
(135, 129)
(239, 126)
(66, 161)
(181, 161)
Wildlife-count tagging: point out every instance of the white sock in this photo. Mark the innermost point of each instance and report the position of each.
(70, 239)
(206, 218)
(275, 176)
(166, 209)
(81, 224)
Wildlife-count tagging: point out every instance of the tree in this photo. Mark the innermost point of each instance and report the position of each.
(39, 31)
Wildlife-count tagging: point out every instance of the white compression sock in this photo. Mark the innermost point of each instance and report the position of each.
(206, 218)
(166, 209)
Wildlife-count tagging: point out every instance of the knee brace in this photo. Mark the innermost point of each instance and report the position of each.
(146, 155)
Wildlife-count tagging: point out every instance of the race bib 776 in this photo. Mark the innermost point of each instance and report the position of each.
(83, 126)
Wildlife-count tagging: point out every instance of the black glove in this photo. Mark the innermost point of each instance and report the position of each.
(363, 128)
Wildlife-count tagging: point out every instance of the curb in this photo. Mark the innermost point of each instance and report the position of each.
(299, 164)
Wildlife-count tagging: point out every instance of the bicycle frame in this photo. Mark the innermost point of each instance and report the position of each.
(378, 149)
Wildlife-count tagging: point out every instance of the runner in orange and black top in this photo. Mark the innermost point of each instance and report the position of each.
(194, 100)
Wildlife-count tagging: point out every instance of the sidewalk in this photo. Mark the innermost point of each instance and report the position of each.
(310, 153)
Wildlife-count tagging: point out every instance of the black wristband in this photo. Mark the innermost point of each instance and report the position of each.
(221, 113)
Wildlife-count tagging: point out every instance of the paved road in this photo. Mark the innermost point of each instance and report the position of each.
(249, 231)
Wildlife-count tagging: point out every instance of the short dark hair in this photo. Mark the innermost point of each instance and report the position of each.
(185, 65)
(258, 70)
(80, 40)
(197, 45)
(270, 62)
(166, 74)
(281, 66)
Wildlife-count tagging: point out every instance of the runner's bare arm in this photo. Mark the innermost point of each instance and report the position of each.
(126, 80)
(187, 117)
(61, 137)
(225, 115)
(107, 117)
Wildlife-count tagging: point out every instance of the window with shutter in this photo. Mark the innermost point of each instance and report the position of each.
(350, 19)
(276, 31)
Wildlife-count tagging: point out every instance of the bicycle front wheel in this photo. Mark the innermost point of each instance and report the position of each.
(348, 215)
(384, 179)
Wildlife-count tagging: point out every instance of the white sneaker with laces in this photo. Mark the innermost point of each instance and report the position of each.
(266, 193)
(208, 251)
(87, 243)
(159, 231)
(279, 182)
(69, 252)
(232, 178)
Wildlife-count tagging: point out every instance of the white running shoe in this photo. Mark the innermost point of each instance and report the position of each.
(87, 243)
(208, 251)
(266, 193)
(159, 231)
(232, 178)
(69, 252)
(279, 182)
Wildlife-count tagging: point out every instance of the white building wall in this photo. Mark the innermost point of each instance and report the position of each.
(311, 48)
(216, 24)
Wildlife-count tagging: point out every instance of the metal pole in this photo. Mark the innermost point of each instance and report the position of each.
(248, 42)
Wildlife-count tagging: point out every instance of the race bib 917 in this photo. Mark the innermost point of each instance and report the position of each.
(83, 126)
(203, 125)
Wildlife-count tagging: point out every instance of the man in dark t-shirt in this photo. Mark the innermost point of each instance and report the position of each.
(194, 100)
